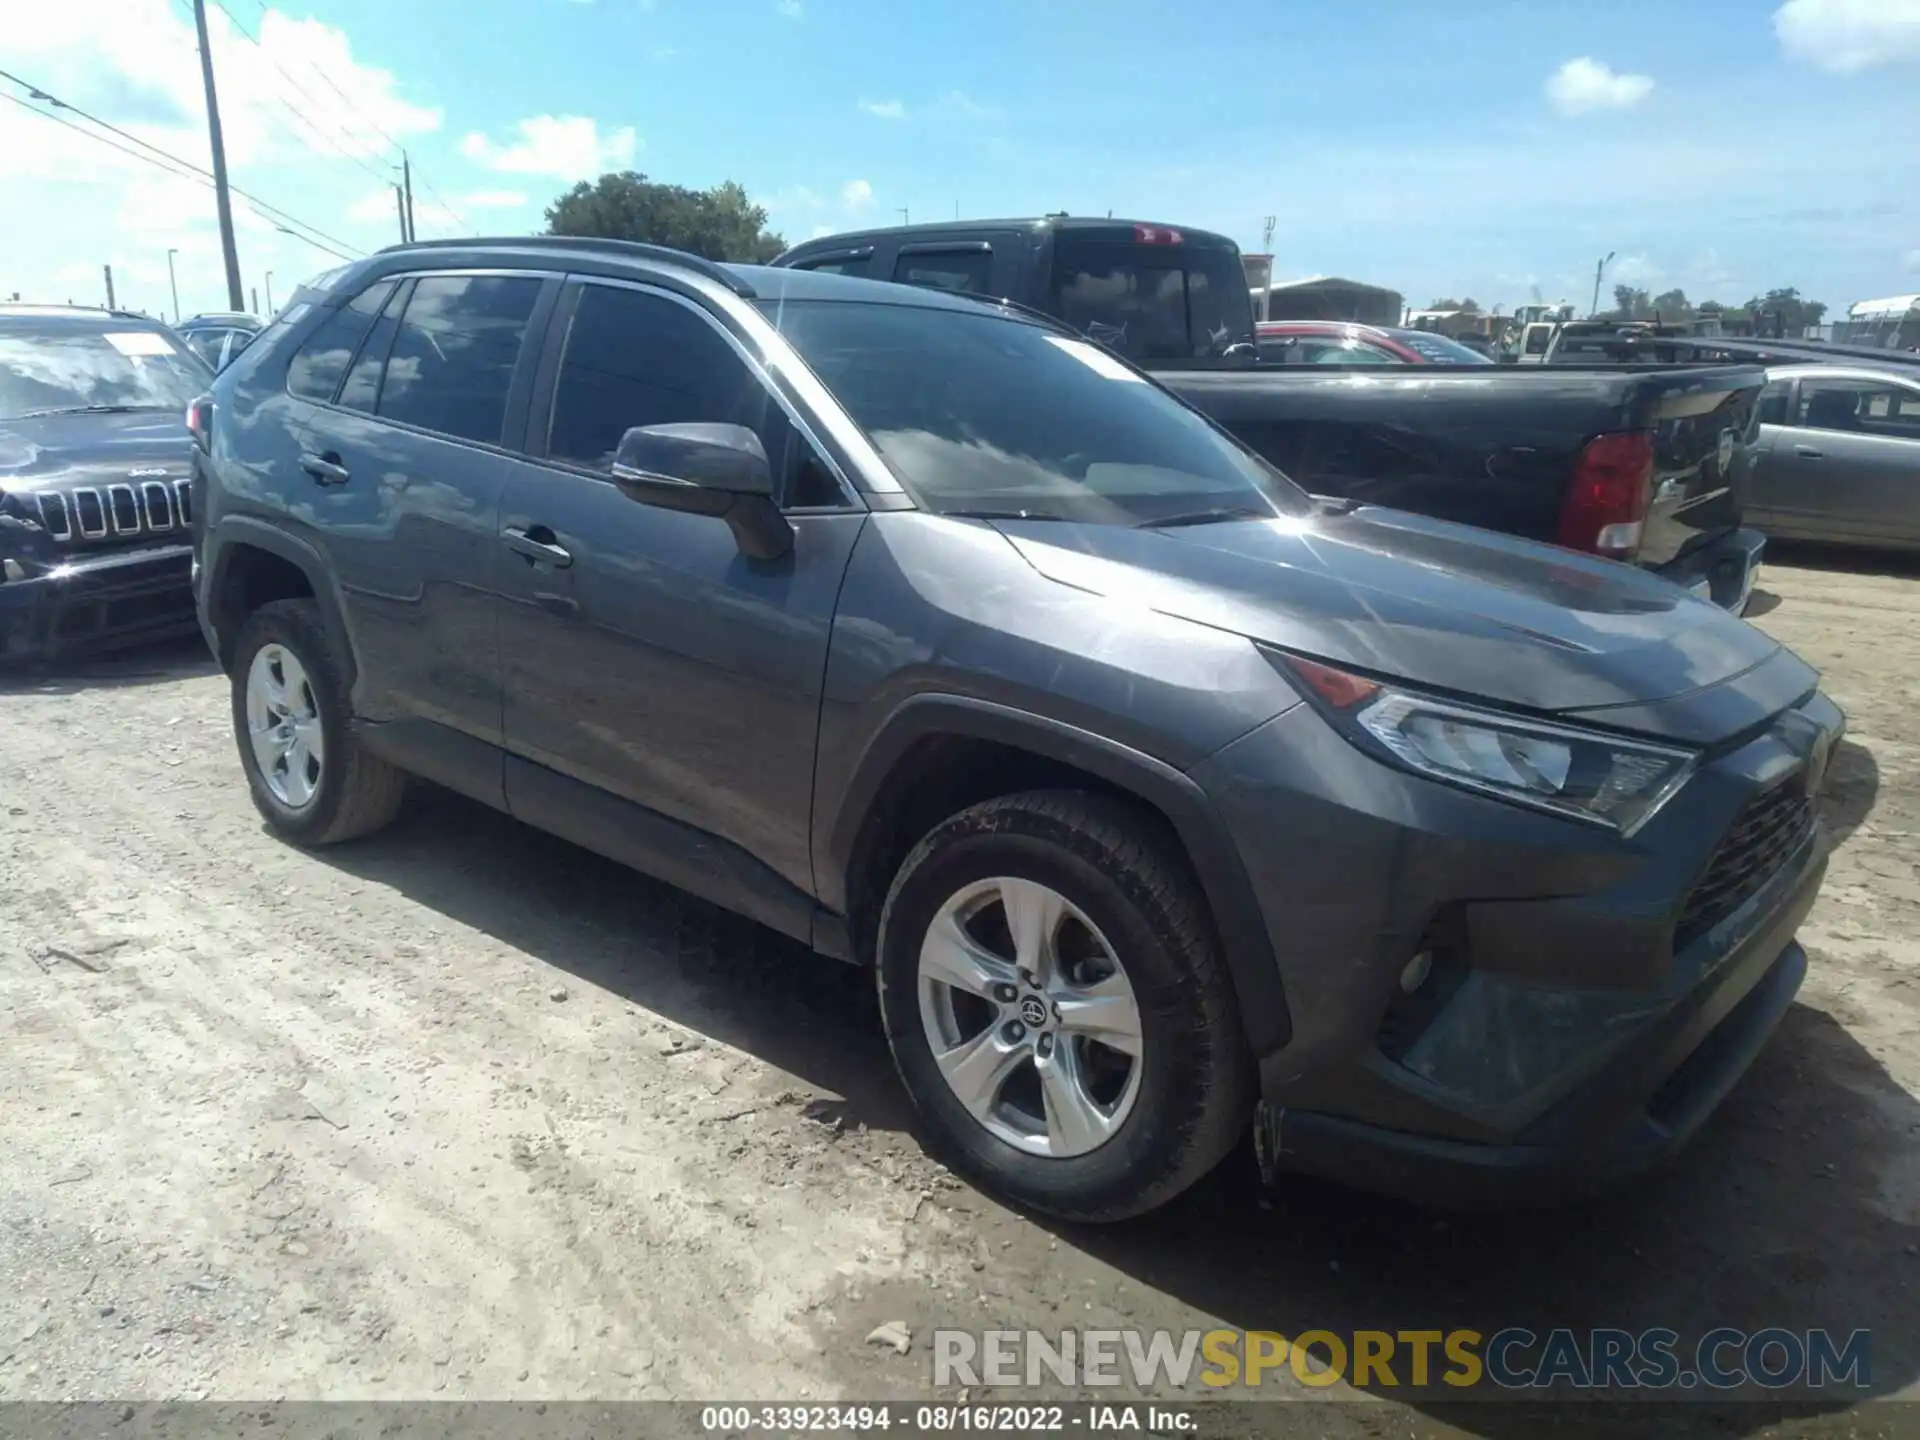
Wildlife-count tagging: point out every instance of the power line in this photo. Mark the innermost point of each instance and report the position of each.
(165, 160)
(314, 66)
(330, 140)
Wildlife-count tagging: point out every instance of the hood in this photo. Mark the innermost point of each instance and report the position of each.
(60, 451)
(1442, 606)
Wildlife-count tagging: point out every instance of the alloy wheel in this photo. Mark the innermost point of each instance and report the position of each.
(284, 727)
(1030, 1017)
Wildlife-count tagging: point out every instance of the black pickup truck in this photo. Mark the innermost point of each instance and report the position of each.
(1643, 464)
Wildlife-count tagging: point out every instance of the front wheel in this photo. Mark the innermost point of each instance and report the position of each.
(310, 779)
(1057, 1006)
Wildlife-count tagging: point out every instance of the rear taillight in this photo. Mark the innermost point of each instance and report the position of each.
(1157, 235)
(1605, 510)
(200, 423)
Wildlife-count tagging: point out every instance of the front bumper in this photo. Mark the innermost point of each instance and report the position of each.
(1722, 571)
(1583, 1013)
(97, 602)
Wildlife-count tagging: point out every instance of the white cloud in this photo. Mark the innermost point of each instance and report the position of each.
(565, 147)
(885, 109)
(821, 230)
(1586, 84)
(856, 195)
(1848, 35)
(792, 9)
(492, 200)
(1913, 261)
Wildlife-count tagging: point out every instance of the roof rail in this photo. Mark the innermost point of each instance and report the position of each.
(632, 249)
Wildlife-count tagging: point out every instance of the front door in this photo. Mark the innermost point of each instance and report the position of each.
(645, 658)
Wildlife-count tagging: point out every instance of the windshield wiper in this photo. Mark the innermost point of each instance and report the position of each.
(1216, 516)
(87, 410)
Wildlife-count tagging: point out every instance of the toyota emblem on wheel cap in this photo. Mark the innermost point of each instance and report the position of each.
(1033, 1010)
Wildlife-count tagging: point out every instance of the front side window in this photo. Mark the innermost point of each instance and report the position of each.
(1773, 402)
(315, 370)
(454, 353)
(949, 400)
(59, 365)
(838, 265)
(968, 271)
(1839, 404)
(637, 359)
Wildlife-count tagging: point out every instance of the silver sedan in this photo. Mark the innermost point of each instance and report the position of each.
(1838, 457)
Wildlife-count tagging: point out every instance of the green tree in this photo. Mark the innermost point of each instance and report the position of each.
(1470, 305)
(721, 223)
(1631, 303)
(1673, 307)
(1785, 309)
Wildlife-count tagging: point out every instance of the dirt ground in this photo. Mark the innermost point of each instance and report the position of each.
(462, 1112)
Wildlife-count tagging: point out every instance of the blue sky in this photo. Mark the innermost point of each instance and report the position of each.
(1483, 147)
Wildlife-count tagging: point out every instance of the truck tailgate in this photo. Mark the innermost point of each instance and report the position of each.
(1702, 420)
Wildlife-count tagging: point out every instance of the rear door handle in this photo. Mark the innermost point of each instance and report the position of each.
(325, 469)
(532, 545)
(1808, 452)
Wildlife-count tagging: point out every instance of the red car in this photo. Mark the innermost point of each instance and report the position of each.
(1334, 342)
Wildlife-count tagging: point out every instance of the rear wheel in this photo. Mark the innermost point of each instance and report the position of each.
(309, 778)
(1057, 1007)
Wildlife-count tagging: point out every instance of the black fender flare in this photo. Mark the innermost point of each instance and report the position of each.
(217, 555)
(1238, 919)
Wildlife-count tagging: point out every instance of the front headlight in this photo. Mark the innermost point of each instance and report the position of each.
(1583, 774)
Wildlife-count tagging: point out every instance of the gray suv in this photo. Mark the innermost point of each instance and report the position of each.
(1167, 804)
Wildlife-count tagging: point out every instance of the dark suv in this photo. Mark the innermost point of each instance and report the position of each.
(1164, 802)
(94, 465)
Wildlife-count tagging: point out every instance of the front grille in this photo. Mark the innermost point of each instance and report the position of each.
(119, 512)
(1765, 833)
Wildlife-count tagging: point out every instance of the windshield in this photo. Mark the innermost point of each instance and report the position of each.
(60, 365)
(1153, 302)
(981, 414)
(1439, 349)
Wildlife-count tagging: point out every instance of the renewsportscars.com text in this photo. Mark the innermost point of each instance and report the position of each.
(1462, 1360)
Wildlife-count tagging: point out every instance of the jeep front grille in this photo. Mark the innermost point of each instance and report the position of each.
(118, 512)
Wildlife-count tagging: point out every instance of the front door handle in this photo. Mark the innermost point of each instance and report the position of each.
(1808, 452)
(325, 469)
(537, 545)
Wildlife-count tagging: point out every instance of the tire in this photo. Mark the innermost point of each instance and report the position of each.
(355, 793)
(1124, 899)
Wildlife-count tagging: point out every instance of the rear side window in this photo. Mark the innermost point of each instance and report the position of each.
(454, 354)
(967, 271)
(315, 370)
(1153, 301)
(362, 388)
(839, 264)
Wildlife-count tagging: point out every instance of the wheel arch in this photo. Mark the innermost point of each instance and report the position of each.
(249, 563)
(935, 750)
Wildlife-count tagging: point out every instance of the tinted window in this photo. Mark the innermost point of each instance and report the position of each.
(58, 363)
(1773, 402)
(970, 271)
(1440, 349)
(638, 359)
(206, 344)
(315, 370)
(453, 356)
(1866, 407)
(838, 265)
(1153, 302)
(1537, 338)
(1347, 352)
(362, 388)
(948, 398)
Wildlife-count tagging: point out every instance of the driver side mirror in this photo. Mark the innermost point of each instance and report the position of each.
(706, 469)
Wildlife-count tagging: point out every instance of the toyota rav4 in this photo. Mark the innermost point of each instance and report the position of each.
(1166, 804)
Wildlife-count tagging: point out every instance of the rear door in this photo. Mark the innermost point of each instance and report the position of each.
(1150, 292)
(405, 465)
(1701, 421)
(1848, 467)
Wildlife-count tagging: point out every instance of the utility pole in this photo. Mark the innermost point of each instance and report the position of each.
(108, 269)
(1598, 271)
(173, 285)
(256, 301)
(903, 216)
(400, 208)
(1266, 232)
(269, 309)
(222, 201)
(406, 179)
